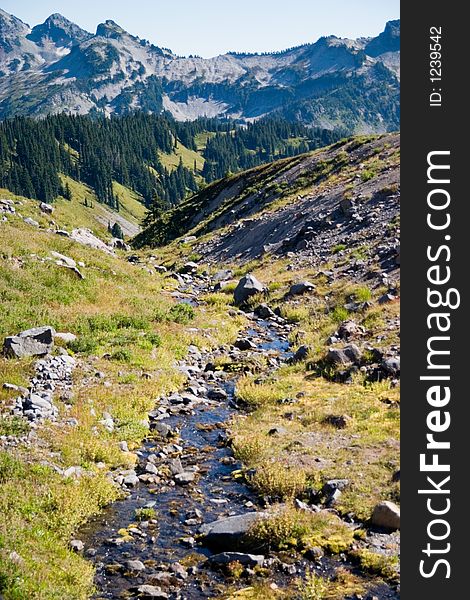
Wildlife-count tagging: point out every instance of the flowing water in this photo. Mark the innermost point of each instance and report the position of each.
(180, 509)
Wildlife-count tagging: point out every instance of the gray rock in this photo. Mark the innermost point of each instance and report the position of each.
(264, 312)
(335, 356)
(347, 329)
(161, 428)
(222, 275)
(46, 208)
(386, 515)
(230, 533)
(135, 565)
(31, 222)
(87, 238)
(160, 268)
(244, 344)
(391, 366)
(150, 591)
(175, 466)
(185, 477)
(63, 259)
(119, 244)
(77, 545)
(247, 560)
(334, 484)
(33, 342)
(189, 268)
(301, 288)
(247, 286)
(66, 337)
(353, 353)
(217, 394)
(150, 468)
(300, 354)
(131, 479)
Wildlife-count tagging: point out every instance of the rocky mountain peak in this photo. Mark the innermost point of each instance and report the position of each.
(11, 26)
(387, 41)
(110, 29)
(60, 31)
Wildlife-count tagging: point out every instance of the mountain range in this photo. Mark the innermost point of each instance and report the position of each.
(333, 83)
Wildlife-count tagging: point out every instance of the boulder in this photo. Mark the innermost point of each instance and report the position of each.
(353, 353)
(300, 354)
(119, 244)
(244, 344)
(189, 268)
(63, 260)
(87, 238)
(264, 312)
(301, 288)
(348, 328)
(135, 565)
(148, 592)
(185, 478)
(31, 222)
(46, 208)
(161, 428)
(247, 560)
(335, 356)
(65, 337)
(230, 533)
(247, 286)
(32, 342)
(77, 545)
(386, 515)
(391, 366)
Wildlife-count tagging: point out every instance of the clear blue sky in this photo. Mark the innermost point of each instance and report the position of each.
(210, 27)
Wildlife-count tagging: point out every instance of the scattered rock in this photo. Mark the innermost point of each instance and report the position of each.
(185, 478)
(335, 356)
(87, 238)
(338, 421)
(300, 354)
(245, 344)
(67, 338)
(230, 533)
(135, 565)
(32, 342)
(247, 286)
(77, 545)
(161, 428)
(247, 560)
(31, 222)
(301, 288)
(217, 394)
(150, 591)
(189, 268)
(386, 515)
(391, 366)
(348, 328)
(264, 312)
(46, 208)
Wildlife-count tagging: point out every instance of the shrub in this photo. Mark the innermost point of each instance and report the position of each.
(181, 313)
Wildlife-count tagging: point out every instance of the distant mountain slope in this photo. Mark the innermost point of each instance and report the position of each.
(56, 67)
(343, 196)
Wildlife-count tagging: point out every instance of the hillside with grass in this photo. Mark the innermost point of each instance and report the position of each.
(213, 413)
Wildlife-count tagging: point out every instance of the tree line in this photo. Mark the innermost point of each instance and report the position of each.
(98, 151)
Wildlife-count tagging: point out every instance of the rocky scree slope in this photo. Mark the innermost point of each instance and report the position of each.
(327, 205)
(334, 82)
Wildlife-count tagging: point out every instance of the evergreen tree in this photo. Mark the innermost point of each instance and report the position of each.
(116, 231)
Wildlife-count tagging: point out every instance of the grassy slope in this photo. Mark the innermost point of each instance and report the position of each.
(171, 161)
(118, 309)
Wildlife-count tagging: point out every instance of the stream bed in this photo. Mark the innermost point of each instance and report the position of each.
(146, 545)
